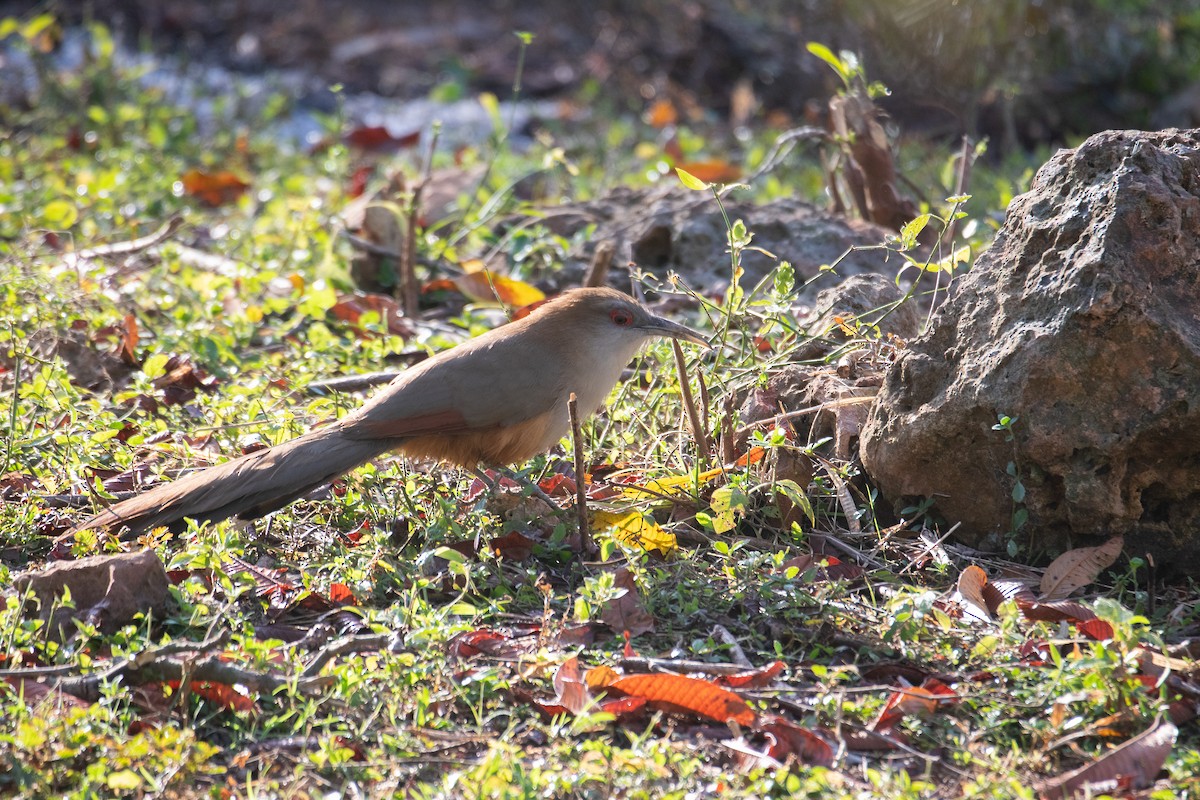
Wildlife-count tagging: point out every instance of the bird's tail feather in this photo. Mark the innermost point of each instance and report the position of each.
(251, 486)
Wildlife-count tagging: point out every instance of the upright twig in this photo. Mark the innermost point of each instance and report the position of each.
(597, 272)
(407, 285)
(689, 403)
(586, 544)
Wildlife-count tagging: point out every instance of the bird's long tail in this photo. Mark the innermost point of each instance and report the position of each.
(251, 486)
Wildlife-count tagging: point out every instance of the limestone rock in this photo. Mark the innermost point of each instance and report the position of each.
(107, 591)
(1082, 320)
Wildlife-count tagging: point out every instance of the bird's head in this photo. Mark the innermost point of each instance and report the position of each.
(609, 317)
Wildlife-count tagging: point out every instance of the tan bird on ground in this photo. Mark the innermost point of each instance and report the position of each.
(500, 398)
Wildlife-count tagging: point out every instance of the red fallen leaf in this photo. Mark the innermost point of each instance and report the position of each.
(628, 651)
(182, 380)
(1056, 611)
(354, 538)
(558, 484)
(213, 188)
(378, 138)
(358, 181)
(1096, 629)
(752, 456)
(340, 594)
(221, 694)
(712, 170)
(179, 576)
(871, 741)
(513, 545)
(34, 692)
(763, 344)
(833, 569)
(754, 678)
(14, 484)
(788, 739)
(580, 635)
(1035, 649)
(440, 285)
(351, 307)
(681, 694)
(622, 707)
(478, 488)
(473, 643)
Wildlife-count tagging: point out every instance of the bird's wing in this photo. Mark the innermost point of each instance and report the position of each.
(491, 382)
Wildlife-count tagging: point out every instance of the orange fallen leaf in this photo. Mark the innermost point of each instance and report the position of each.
(679, 693)
(213, 188)
(662, 113)
(485, 286)
(712, 170)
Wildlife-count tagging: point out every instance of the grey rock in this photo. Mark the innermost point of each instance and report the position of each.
(1081, 320)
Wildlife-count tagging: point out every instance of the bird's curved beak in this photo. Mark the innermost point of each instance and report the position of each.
(658, 326)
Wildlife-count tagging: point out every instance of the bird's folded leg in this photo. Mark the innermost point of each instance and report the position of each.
(519, 479)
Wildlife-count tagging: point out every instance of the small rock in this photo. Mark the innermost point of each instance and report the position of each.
(107, 591)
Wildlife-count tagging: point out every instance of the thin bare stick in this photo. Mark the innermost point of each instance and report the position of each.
(689, 403)
(601, 260)
(728, 456)
(407, 287)
(586, 544)
(801, 412)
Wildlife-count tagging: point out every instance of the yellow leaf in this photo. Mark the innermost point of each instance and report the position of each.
(691, 181)
(670, 487)
(487, 287)
(636, 528)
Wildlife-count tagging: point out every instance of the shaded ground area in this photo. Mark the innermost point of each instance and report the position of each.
(1016, 71)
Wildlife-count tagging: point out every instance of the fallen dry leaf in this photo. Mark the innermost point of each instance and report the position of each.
(485, 286)
(1136, 762)
(626, 613)
(681, 694)
(213, 188)
(971, 584)
(1077, 568)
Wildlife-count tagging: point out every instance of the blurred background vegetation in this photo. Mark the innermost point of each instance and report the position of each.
(1024, 73)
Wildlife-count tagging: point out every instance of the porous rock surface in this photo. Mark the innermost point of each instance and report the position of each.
(1083, 320)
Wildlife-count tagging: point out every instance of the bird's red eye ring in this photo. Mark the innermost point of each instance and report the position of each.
(621, 317)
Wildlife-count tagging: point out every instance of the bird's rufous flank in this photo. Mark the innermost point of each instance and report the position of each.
(500, 398)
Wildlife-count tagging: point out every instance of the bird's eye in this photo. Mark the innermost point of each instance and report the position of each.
(620, 317)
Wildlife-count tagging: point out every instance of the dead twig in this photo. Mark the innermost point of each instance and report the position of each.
(689, 403)
(158, 664)
(365, 643)
(407, 287)
(586, 544)
(597, 272)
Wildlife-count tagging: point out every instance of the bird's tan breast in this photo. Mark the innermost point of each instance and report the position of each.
(508, 444)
